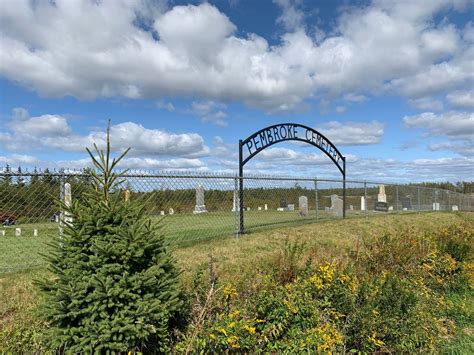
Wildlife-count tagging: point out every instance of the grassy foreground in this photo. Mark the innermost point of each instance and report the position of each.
(234, 261)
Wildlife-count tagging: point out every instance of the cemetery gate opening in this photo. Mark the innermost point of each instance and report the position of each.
(268, 136)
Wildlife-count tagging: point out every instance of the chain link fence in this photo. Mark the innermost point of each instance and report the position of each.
(194, 207)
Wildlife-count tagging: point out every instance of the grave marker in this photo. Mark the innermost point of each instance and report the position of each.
(336, 205)
(303, 206)
(200, 206)
(382, 197)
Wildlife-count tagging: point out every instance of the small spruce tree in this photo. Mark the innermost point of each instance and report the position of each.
(116, 287)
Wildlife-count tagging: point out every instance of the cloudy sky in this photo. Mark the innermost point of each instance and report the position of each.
(389, 82)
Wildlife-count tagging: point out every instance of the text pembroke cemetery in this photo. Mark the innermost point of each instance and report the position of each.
(289, 131)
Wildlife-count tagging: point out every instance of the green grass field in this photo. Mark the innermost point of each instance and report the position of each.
(21, 327)
(180, 229)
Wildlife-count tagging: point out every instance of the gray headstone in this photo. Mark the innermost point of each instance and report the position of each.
(303, 206)
(336, 205)
(351, 207)
(283, 203)
(406, 202)
(200, 206)
(291, 207)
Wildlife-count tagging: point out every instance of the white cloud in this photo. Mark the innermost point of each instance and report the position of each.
(210, 112)
(427, 103)
(195, 51)
(340, 109)
(53, 131)
(292, 16)
(18, 159)
(466, 149)
(352, 133)
(463, 99)
(456, 126)
(351, 97)
(453, 124)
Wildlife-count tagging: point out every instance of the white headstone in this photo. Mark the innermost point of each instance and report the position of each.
(454, 208)
(162, 213)
(390, 208)
(200, 206)
(35, 232)
(2, 233)
(362, 203)
(303, 206)
(67, 201)
(266, 207)
(381, 197)
(405, 209)
(235, 202)
(171, 211)
(336, 205)
(351, 207)
(248, 208)
(435, 206)
(259, 208)
(17, 232)
(291, 207)
(280, 209)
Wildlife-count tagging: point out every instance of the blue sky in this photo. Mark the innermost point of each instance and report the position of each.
(389, 82)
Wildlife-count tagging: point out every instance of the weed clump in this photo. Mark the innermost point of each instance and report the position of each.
(398, 296)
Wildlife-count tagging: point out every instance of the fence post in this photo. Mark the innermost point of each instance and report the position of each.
(241, 191)
(365, 200)
(61, 198)
(236, 206)
(419, 201)
(435, 193)
(316, 198)
(396, 197)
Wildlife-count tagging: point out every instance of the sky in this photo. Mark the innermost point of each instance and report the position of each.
(390, 83)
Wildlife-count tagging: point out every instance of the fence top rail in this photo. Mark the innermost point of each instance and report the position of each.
(148, 174)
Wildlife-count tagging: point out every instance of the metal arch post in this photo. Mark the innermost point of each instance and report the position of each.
(316, 201)
(344, 188)
(241, 191)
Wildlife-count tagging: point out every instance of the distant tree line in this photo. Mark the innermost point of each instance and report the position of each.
(33, 196)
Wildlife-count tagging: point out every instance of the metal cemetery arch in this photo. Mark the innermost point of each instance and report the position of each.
(268, 136)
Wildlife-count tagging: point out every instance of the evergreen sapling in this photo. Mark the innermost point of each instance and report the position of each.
(116, 288)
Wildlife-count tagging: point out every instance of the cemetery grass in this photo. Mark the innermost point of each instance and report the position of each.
(181, 230)
(332, 240)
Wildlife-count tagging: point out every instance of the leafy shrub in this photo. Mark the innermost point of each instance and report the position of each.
(116, 287)
(391, 299)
